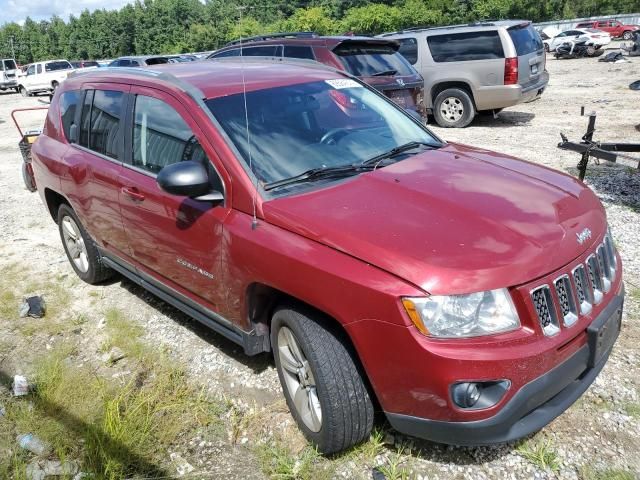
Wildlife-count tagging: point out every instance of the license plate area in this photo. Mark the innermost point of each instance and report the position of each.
(534, 69)
(601, 337)
(401, 97)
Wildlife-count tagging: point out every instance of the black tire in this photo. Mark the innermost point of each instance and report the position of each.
(27, 177)
(23, 91)
(54, 85)
(627, 35)
(97, 272)
(546, 47)
(453, 108)
(347, 408)
(17, 89)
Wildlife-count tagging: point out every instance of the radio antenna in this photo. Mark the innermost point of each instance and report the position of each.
(254, 222)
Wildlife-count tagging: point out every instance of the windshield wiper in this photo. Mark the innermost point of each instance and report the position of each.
(396, 151)
(384, 73)
(319, 173)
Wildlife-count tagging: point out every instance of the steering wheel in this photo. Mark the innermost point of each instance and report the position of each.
(333, 135)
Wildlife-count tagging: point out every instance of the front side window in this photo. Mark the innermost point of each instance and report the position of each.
(262, 51)
(161, 137)
(234, 52)
(367, 60)
(461, 47)
(39, 68)
(318, 124)
(298, 51)
(409, 49)
(100, 123)
(68, 103)
(53, 66)
(31, 70)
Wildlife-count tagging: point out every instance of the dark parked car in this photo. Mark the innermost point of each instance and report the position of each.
(375, 61)
(140, 61)
(84, 64)
(471, 296)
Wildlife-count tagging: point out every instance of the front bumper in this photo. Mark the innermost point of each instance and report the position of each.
(531, 408)
(8, 83)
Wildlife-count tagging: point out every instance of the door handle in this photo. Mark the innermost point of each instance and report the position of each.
(133, 193)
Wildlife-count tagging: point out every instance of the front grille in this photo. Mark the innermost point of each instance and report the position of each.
(545, 309)
(574, 294)
(566, 299)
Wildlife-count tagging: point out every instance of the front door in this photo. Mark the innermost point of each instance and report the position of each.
(175, 239)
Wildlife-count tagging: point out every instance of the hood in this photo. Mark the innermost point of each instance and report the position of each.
(453, 220)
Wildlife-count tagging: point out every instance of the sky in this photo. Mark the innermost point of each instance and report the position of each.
(18, 10)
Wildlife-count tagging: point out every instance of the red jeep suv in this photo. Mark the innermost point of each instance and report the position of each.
(613, 27)
(471, 296)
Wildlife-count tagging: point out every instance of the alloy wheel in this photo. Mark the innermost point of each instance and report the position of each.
(299, 379)
(452, 109)
(75, 244)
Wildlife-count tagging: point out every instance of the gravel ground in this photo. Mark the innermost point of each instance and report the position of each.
(598, 435)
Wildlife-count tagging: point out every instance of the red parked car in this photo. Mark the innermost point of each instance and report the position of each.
(470, 296)
(613, 27)
(375, 61)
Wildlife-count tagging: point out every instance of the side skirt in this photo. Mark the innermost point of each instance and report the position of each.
(252, 343)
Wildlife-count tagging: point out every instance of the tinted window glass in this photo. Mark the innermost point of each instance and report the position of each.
(39, 68)
(298, 51)
(409, 49)
(85, 119)
(526, 40)
(263, 51)
(460, 47)
(89, 64)
(227, 53)
(161, 136)
(31, 70)
(370, 60)
(68, 103)
(310, 125)
(156, 61)
(53, 66)
(106, 110)
(10, 65)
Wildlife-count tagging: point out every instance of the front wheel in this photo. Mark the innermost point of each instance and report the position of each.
(322, 381)
(27, 177)
(627, 35)
(54, 85)
(80, 248)
(23, 91)
(453, 108)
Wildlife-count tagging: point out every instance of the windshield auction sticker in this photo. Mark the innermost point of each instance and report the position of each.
(340, 83)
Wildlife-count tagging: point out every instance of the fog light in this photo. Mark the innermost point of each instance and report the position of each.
(477, 395)
(466, 395)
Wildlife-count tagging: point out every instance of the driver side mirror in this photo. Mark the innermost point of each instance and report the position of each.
(189, 179)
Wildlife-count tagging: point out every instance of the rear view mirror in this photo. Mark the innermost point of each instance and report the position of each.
(189, 179)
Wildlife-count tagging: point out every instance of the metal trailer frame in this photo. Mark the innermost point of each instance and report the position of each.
(588, 148)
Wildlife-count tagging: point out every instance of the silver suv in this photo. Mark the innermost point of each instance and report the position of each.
(475, 68)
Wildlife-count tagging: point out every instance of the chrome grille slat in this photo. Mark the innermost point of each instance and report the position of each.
(608, 244)
(545, 309)
(603, 266)
(594, 278)
(584, 293)
(567, 300)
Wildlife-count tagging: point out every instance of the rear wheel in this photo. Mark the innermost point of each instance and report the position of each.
(321, 380)
(81, 250)
(453, 107)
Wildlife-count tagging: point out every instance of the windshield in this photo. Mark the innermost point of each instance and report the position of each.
(322, 124)
(8, 65)
(52, 66)
(369, 60)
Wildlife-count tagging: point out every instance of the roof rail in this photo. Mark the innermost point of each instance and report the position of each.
(269, 36)
(482, 23)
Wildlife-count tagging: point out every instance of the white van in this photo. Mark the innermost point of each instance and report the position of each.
(44, 77)
(8, 70)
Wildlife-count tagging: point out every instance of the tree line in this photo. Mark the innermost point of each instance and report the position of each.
(175, 26)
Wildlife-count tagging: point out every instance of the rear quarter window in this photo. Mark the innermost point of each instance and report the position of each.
(526, 40)
(409, 49)
(68, 105)
(461, 47)
(298, 51)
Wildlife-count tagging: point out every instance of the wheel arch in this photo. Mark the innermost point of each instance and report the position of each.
(437, 88)
(54, 200)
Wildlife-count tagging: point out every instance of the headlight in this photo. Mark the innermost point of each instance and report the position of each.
(471, 315)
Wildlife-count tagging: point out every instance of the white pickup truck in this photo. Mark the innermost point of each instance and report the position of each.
(44, 76)
(8, 70)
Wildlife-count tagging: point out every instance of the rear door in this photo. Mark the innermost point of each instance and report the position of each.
(175, 239)
(530, 52)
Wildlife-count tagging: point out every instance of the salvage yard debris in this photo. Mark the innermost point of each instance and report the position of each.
(34, 307)
(40, 469)
(20, 386)
(32, 443)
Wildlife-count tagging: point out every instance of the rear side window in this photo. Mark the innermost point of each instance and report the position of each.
(53, 66)
(262, 51)
(461, 47)
(366, 60)
(526, 40)
(298, 51)
(409, 49)
(100, 122)
(156, 61)
(68, 103)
